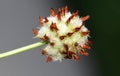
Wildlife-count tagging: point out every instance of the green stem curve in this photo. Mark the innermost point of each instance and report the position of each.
(22, 49)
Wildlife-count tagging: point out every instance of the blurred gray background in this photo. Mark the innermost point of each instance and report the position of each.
(17, 19)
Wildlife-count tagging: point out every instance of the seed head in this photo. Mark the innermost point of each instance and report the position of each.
(66, 34)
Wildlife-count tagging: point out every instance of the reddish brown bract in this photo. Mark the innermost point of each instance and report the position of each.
(85, 18)
(46, 20)
(45, 37)
(85, 33)
(76, 13)
(62, 37)
(86, 53)
(66, 47)
(86, 47)
(69, 34)
(49, 59)
(35, 32)
(66, 9)
(76, 44)
(89, 42)
(44, 52)
(52, 43)
(69, 19)
(77, 29)
(63, 11)
(40, 20)
(52, 12)
(59, 16)
(53, 26)
(76, 57)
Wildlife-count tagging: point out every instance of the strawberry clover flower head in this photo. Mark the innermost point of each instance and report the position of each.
(66, 34)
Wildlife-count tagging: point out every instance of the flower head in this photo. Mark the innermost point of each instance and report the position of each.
(66, 34)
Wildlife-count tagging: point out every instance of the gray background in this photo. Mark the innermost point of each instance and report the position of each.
(17, 18)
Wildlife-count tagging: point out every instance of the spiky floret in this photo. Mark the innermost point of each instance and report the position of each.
(66, 33)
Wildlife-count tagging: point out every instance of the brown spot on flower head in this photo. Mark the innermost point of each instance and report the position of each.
(53, 26)
(77, 29)
(71, 52)
(68, 56)
(66, 47)
(35, 32)
(69, 19)
(59, 16)
(81, 52)
(41, 20)
(45, 37)
(86, 47)
(49, 59)
(62, 37)
(85, 33)
(44, 52)
(76, 57)
(82, 25)
(76, 13)
(66, 9)
(60, 11)
(46, 20)
(86, 53)
(89, 42)
(76, 44)
(52, 12)
(70, 33)
(85, 18)
(63, 11)
(68, 53)
(52, 43)
(63, 52)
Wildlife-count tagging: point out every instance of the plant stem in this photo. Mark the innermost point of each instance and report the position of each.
(22, 49)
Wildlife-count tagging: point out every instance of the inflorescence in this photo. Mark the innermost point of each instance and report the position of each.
(66, 34)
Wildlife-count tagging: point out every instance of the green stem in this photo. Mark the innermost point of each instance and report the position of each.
(22, 49)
